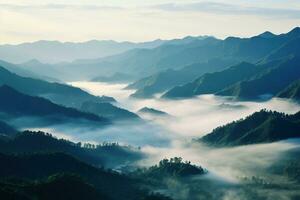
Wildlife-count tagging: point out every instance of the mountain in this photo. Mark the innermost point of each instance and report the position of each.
(43, 71)
(288, 50)
(268, 83)
(7, 130)
(56, 92)
(108, 111)
(174, 167)
(260, 127)
(146, 110)
(165, 80)
(18, 70)
(58, 186)
(16, 104)
(55, 167)
(291, 92)
(265, 79)
(267, 34)
(55, 51)
(211, 83)
(141, 62)
(137, 62)
(259, 49)
(108, 155)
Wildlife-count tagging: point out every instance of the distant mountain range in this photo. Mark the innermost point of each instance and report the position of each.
(55, 51)
(136, 63)
(267, 78)
(140, 62)
(260, 127)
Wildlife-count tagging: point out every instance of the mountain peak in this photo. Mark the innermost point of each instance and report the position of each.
(295, 31)
(267, 34)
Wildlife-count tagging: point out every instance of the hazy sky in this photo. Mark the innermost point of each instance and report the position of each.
(141, 20)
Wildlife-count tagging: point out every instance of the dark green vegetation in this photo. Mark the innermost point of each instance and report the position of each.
(153, 111)
(95, 182)
(106, 154)
(260, 127)
(58, 186)
(108, 110)
(174, 167)
(35, 165)
(15, 104)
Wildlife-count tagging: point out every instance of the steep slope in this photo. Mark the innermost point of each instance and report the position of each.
(165, 80)
(18, 70)
(16, 104)
(56, 92)
(288, 50)
(43, 71)
(213, 82)
(108, 111)
(260, 127)
(291, 92)
(7, 130)
(267, 83)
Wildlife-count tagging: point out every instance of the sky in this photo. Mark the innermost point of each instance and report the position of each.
(136, 20)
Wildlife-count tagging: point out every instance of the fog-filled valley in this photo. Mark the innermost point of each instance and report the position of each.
(183, 119)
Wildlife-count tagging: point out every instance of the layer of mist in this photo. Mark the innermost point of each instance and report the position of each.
(231, 171)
